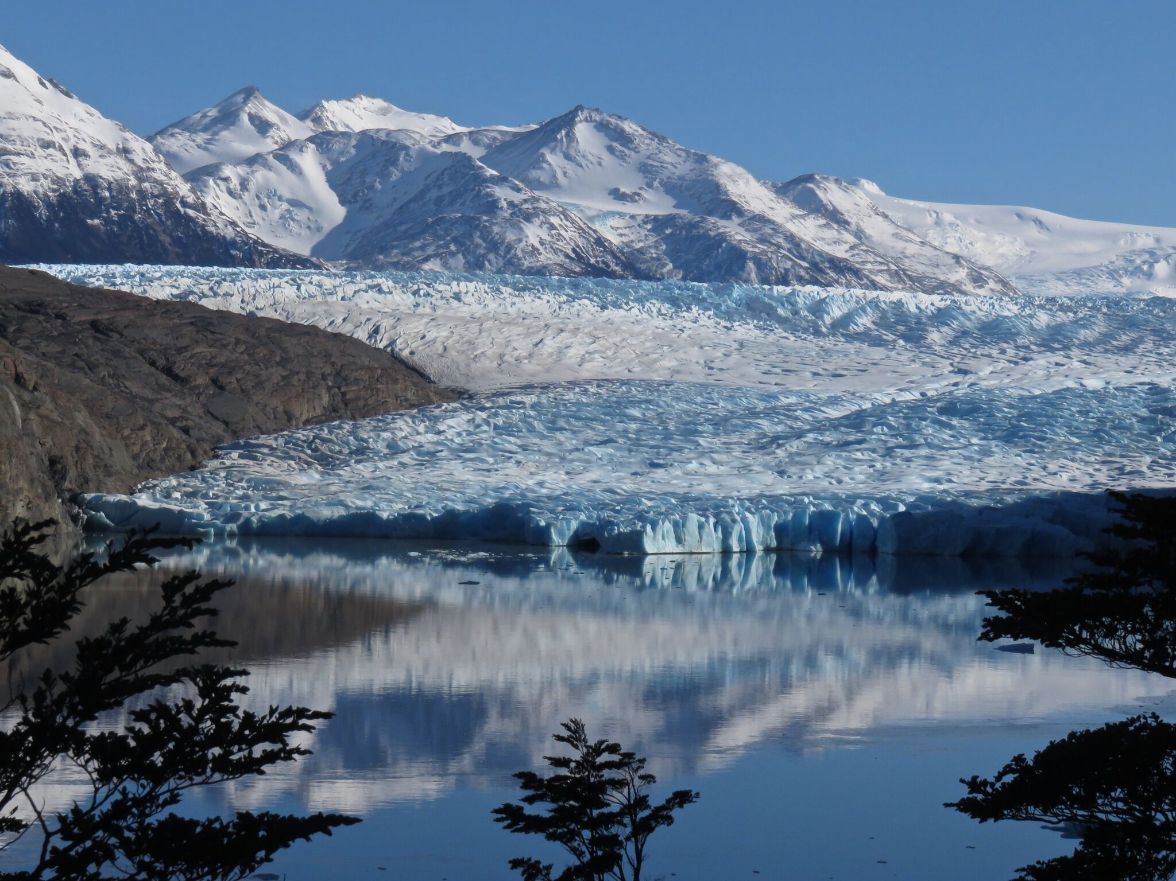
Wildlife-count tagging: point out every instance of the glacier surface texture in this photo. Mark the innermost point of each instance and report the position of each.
(655, 417)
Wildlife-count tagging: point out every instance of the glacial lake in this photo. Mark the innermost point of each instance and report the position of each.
(824, 707)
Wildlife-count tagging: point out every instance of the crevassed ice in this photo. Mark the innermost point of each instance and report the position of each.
(659, 467)
(486, 331)
(653, 417)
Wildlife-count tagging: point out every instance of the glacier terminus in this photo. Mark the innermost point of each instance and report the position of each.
(659, 417)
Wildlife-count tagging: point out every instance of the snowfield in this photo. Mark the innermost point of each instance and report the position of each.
(647, 417)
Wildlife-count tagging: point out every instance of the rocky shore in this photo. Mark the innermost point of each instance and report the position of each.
(101, 389)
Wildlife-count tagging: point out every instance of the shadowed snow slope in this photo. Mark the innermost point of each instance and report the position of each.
(1041, 252)
(697, 418)
(75, 185)
(243, 124)
(387, 198)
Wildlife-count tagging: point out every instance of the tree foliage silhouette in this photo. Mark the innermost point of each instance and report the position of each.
(1114, 787)
(597, 808)
(1123, 611)
(183, 729)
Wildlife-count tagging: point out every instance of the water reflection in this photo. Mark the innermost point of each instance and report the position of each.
(1113, 788)
(449, 668)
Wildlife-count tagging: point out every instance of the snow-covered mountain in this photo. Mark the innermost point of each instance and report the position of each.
(364, 113)
(366, 184)
(847, 207)
(75, 185)
(1041, 252)
(585, 193)
(392, 199)
(685, 214)
(242, 125)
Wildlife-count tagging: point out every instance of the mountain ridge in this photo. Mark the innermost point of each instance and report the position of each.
(77, 186)
(584, 193)
(607, 195)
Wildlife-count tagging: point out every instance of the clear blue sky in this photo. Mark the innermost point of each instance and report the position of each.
(1068, 105)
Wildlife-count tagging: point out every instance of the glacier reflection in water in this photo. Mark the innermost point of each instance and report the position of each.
(449, 668)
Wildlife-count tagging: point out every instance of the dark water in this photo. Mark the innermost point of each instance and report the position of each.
(824, 708)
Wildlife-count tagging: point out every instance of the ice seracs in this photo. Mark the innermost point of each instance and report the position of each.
(667, 417)
(650, 467)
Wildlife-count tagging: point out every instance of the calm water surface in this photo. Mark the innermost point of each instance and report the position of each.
(825, 708)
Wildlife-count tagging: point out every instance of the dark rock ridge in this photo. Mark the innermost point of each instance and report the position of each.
(101, 389)
(99, 221)
(78, 187)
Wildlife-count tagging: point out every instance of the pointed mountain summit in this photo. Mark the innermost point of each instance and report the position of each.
(243, 124)
(363, 113)
(686, 214)
(78, 187)
(596, 160)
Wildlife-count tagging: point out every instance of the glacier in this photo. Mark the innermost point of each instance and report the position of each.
(661, 417)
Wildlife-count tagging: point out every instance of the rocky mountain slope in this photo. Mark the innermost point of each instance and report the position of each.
(243, 124)
(77, 186)
(585, 193)
(101, 389)
(1043, 252)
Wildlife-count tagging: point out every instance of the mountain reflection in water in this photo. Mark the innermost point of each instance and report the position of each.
(451, 667)
(1113, 788)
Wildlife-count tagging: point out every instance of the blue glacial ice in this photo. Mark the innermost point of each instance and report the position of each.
(660, 467)
(643, 417)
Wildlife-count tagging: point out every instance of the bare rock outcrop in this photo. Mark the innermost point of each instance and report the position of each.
(101, 389)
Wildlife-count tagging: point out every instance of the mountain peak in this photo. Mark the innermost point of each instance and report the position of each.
(243, 96)
(364, 113)
(244, 123)
(584, 113)
(78, 186)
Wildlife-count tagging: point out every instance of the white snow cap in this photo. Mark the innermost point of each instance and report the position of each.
(240, 126)
(50, 135)
(363, 112)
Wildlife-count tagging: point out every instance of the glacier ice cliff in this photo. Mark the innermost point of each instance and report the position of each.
(658, 417)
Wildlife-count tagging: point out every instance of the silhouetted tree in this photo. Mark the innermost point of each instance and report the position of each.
(184, 728)
(1123, 611)
(597, 808)
(1113, 787)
